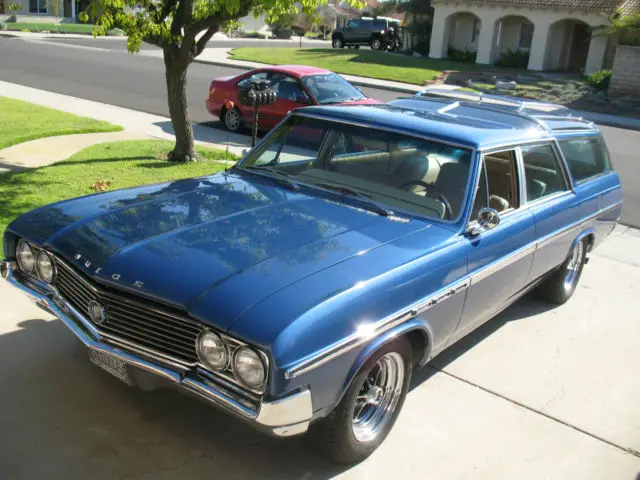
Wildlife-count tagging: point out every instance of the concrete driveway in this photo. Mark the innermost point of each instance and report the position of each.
(535, 393)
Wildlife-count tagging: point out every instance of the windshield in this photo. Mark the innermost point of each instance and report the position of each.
(331, 88)
(392, 169)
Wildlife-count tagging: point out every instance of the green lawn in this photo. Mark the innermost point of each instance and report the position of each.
(22, 121)
(122, 164)
(364, 63)
(52, 27)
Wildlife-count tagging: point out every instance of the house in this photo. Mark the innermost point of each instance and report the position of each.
(554, 34)
(46, 10)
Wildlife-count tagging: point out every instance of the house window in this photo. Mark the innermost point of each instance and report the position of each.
(38, 6)
(476, 30)
(526, 36)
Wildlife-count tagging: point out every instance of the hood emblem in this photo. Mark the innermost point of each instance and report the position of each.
(97, 312)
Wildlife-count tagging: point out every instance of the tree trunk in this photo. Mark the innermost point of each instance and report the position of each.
(176, 77)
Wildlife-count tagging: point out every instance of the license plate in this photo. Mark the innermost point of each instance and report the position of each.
(112, 365)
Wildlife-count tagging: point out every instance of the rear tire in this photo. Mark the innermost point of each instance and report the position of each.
(337, 42)
(560, 286)
(232, 120)
(369, 408)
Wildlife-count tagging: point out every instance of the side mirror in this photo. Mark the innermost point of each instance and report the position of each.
(488, 219)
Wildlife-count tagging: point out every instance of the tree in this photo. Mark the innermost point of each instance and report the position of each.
(623, 28)
(182, 28)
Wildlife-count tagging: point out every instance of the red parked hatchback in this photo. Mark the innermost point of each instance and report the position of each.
(296, 86)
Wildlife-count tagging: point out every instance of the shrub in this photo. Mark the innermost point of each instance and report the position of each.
(600, 80)
(282, 32)
(513, 59)
(3, 26)
(461, 55)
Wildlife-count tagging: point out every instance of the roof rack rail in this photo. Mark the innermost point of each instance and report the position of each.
(499, 100)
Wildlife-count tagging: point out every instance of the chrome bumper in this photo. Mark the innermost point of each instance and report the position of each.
(283, 417)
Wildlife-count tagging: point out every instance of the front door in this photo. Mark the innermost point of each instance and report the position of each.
(290, 95)
(500, 258)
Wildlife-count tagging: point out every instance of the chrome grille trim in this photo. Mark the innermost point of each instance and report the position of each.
(132, 322)
(146, 328)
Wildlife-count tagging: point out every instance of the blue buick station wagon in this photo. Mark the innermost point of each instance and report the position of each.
(300, 288)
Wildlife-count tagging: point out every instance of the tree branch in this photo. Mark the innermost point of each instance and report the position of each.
(202, 42)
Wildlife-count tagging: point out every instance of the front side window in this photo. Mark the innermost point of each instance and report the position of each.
(498, 186)
(586, 157)
(542, 171)
(331, 88)
(399, 171)
(353, 23)
(287, 88)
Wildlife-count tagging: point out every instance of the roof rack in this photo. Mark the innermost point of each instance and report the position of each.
(533, 110)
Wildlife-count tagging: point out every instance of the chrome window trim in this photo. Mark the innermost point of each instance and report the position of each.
(355, 340)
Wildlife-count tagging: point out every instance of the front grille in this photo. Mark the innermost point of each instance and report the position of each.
(131, 321)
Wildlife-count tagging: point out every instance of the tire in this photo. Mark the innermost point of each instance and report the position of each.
(561, 285)
(375, 44)
(347, 436)
(232, 120)
(337, 42)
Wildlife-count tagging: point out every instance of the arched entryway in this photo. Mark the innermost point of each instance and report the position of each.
(513, 36)
(568, 46)
(462, 35)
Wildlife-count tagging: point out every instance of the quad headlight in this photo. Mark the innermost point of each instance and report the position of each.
(44, 267)
(249, 368)
(212, 351)
(24, 256)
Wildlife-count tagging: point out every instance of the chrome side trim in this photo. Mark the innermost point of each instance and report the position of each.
(388, 323)
(290, 415)
(356, 339)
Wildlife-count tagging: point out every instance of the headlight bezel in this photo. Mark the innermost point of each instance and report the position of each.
(260, 360)
(54, 270)
(229, 372)
(202, 358)
(23, 242)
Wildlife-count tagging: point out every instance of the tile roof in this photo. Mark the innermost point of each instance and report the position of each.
(627, 6)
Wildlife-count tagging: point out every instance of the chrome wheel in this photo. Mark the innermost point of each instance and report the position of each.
(573, 267)
(375, 44)
(378, 397)
(232, 120)
(337, 43)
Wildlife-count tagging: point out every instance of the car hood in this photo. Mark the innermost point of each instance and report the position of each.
(179, 242)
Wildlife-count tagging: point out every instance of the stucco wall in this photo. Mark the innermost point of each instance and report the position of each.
(625, 79)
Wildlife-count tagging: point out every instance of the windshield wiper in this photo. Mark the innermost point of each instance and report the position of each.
(347, 191)
(273, 173)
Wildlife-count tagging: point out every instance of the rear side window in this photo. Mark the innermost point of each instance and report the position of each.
(542, 171)
(586, 157)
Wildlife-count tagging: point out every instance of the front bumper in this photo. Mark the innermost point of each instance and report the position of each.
(287, 416)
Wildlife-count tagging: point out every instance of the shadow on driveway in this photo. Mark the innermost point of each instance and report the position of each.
(62, 417)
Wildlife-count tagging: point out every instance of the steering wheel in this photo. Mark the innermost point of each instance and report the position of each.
(429, 192)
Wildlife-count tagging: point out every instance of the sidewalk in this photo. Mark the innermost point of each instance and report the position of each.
(133, 121)
(219, 56)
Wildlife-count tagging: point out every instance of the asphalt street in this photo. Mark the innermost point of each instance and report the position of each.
(102, 70)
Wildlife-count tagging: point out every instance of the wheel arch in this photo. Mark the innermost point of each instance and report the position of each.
(588, 235)
(418, 336)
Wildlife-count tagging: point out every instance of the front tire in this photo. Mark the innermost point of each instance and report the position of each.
(375, 44)
(370, 406)
(559, 288)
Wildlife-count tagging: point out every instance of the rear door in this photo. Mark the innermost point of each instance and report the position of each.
(556, 208)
